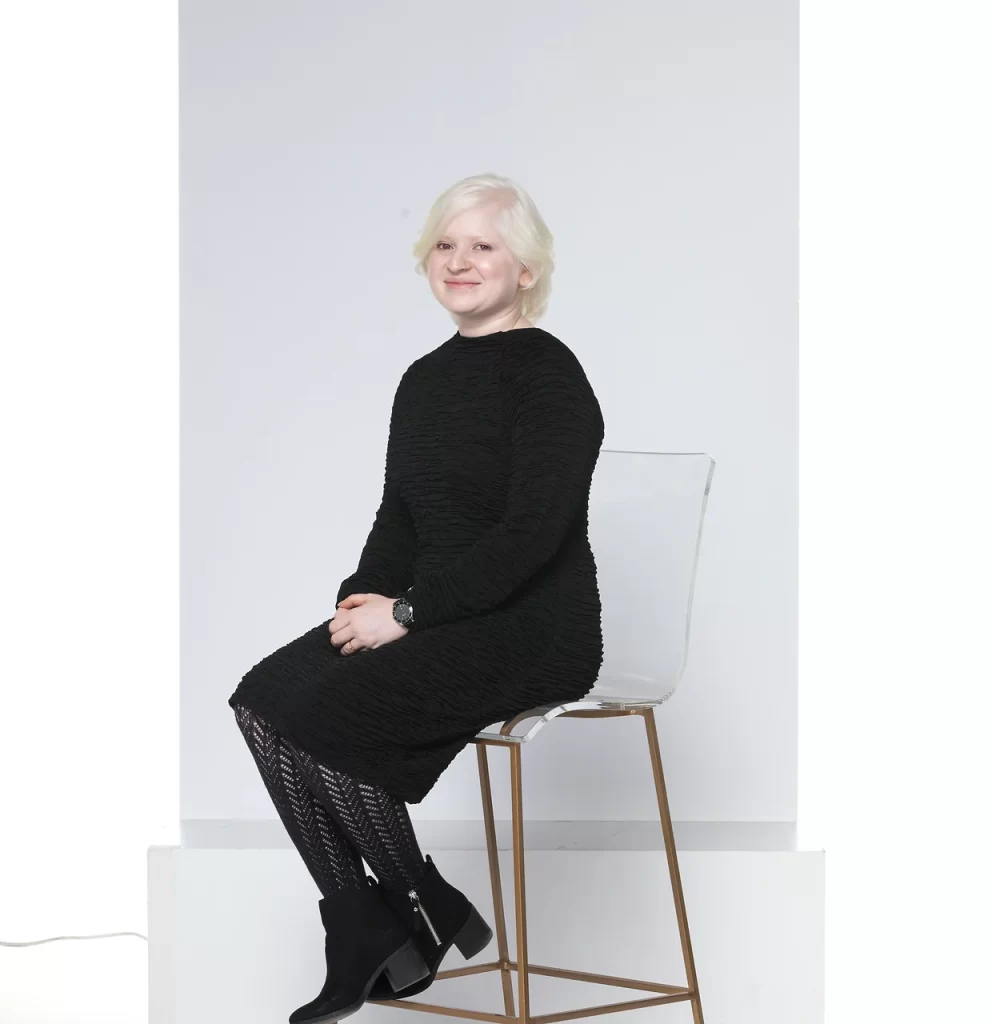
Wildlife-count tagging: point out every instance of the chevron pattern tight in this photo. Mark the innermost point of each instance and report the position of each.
(333, 819)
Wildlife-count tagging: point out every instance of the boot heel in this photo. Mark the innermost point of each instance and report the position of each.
(406, 967)
(474, 936)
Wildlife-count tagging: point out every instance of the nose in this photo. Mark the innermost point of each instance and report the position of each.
(456, 261)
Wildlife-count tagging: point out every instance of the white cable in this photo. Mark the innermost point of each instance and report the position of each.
(58, 938)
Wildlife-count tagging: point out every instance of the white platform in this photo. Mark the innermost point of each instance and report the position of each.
(234, 933)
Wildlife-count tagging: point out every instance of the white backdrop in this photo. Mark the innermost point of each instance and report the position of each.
(659, 141)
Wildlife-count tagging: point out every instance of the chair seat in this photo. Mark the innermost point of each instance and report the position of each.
(544, 713)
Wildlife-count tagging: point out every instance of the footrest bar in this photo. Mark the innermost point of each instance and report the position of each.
(604, 979)
(592, 1011)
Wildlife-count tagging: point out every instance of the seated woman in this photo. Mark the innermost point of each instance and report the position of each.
(475, 594)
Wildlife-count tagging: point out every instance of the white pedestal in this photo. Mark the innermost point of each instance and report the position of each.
(234, 933)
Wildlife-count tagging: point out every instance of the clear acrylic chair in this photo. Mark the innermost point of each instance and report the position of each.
(646, 512)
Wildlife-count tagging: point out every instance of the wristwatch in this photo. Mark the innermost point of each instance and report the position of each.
(403, 610)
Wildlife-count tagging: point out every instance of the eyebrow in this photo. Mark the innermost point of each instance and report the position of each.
(474, 238)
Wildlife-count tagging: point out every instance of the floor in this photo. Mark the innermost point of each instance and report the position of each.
(75, 981)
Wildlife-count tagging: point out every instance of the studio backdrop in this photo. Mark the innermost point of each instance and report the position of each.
(660, 144)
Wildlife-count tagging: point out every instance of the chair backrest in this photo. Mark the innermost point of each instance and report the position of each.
(646, 512)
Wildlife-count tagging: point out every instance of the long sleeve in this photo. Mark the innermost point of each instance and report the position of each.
(386, 563)
(556, 430)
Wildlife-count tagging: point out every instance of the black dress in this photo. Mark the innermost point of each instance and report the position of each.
(492, 445)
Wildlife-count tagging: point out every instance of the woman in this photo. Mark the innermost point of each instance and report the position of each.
(475, 594)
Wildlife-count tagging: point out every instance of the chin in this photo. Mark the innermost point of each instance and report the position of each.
(459, 307)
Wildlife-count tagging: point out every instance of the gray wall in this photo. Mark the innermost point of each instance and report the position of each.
(660, 143)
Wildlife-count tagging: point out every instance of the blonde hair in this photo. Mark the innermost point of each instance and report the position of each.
(518, 221)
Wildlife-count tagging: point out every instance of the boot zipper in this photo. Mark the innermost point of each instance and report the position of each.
(417, 905)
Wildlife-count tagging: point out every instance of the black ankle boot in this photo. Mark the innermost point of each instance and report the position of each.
(437, 915)
(364, 942)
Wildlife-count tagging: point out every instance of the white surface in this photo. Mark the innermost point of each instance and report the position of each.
(241, 938)
(538, 835)
(659, 141)
(91, 981)
(105, 981)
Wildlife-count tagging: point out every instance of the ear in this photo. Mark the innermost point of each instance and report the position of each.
(526, 278)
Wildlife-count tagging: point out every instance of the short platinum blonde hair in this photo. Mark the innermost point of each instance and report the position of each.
(518, 221)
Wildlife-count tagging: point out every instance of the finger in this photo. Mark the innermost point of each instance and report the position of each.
(342, 635)
(354, 600)
(338, 621)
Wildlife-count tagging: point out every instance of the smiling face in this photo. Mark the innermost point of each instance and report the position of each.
(471, 271)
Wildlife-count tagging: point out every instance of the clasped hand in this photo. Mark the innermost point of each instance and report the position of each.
(364, 621)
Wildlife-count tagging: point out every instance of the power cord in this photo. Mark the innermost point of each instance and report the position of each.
(59, 938)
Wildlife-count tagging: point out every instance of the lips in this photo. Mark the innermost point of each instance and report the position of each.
(461, 284)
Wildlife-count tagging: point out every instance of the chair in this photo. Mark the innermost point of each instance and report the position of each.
(646, 512)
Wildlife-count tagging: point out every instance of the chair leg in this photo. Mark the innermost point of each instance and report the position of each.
(482, 752)
(517, 803)
(673, 863)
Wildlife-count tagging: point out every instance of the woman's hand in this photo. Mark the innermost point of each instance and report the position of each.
(364, 621)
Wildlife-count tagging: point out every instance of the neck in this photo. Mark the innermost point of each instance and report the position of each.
(473, 329)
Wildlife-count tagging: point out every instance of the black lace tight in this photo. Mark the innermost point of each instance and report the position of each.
(334, 819)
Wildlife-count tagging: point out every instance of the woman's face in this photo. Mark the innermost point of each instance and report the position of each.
(471, 271)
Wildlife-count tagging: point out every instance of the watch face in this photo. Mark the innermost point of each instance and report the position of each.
(402, 611)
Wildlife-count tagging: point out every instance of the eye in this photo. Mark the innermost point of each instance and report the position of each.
(486, 244)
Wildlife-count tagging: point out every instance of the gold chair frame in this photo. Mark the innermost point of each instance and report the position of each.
(671, 993)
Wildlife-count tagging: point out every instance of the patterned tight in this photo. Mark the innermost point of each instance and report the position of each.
(333, 819)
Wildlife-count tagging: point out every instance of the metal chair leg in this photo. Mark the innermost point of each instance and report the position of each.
(673, 863)
(482, 752)
(517, 802)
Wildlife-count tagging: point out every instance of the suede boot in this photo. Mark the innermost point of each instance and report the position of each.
(363, 942)
(437, 916)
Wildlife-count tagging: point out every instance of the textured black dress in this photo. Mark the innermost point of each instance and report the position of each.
(492, 445)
